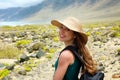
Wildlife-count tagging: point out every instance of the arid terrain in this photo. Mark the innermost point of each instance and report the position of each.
(29, 52)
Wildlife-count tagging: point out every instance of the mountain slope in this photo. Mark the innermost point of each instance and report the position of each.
(13, 14)
(85, 10)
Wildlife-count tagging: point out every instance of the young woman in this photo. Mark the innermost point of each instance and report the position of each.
(68, 65)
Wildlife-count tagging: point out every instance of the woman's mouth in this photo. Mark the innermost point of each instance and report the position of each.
(62, 36)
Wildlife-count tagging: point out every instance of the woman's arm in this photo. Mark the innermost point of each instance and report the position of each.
(66, 58)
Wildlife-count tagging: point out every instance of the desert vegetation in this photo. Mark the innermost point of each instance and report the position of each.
(35, 46)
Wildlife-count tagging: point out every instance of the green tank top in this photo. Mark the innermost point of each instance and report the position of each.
(72, 70)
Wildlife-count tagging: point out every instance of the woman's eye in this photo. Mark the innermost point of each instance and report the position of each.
(64, 28)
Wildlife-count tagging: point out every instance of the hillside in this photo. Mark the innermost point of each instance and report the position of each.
(85, 10)
(41, 48)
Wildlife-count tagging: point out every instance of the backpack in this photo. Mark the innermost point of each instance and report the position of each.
(86, 76)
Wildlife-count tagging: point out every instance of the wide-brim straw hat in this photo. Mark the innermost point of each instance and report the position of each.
(72, 24)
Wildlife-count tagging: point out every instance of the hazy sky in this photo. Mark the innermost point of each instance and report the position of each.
(18, 3)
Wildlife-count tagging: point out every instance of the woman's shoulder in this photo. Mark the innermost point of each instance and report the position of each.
(67, 56)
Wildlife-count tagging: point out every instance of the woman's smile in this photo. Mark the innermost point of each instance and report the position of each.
(62, 35)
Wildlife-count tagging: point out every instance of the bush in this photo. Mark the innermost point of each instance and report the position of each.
(36, 46)
(51, 50)
(56, 39)
(22, 43)
(116, 28)
(4, 73)
(115, 34)
(27, 68)
(88, 33)
(49, 55)
(9, 51)
(118, 50)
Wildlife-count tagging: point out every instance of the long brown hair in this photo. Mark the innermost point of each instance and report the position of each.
(84, 52)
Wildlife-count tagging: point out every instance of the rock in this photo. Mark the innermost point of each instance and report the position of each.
(21, 34)
(113, 62)
(23, 58)
(9, 40)
(35, 37)
(6, 78)
(118, 53)
(17, 62)
(29, 49)
(32, 55)
(2, 66)
(39, 53)
(11, 67)
(100, 68)
(22, 72)
(53, 65)
(36, 46)
(100, 64)
(14, 39)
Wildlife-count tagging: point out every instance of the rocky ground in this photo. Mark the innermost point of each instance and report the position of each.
(105, 55)
(104, 47)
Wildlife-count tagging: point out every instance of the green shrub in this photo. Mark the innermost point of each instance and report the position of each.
(56, 39)
(51, 50)
(115, 34)
(27, 68)
(97, 33)
(88, 33)
(4, 73)
(33, 65)
(22, 43)
(118, 50)
(49, 55)
(117, 28)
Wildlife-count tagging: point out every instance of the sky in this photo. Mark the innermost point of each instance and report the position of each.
(18, 3)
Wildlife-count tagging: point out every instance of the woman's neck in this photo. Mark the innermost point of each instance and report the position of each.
(68, 44)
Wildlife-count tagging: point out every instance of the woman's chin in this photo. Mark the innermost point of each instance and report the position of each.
(61, 40)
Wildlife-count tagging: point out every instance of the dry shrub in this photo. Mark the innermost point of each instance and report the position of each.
(9, 51)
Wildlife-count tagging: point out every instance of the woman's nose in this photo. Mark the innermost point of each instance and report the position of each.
(61, 31)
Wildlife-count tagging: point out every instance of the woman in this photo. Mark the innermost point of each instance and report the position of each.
(68, 65)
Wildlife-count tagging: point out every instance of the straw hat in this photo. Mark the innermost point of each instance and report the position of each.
(72, 24)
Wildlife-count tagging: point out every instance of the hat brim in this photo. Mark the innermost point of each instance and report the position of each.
(59, 24)
(56, 23)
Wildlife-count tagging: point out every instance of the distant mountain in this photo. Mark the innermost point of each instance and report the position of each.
(85, 10)
(19, 13)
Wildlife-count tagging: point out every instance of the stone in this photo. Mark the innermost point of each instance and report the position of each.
(6, 78)
(23, 58)
(1, 66)
(100, 68)
(39, 53)
(11, 67)
(33, 55)
(22, 72)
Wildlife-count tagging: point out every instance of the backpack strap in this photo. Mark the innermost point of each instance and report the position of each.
(74, 51)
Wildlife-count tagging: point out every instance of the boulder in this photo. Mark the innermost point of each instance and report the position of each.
(39, 53)
(23, 58)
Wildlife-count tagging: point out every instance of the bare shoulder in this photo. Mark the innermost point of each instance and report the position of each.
(67, 56)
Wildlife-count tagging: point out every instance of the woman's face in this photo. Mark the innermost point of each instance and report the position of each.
(66, 35)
